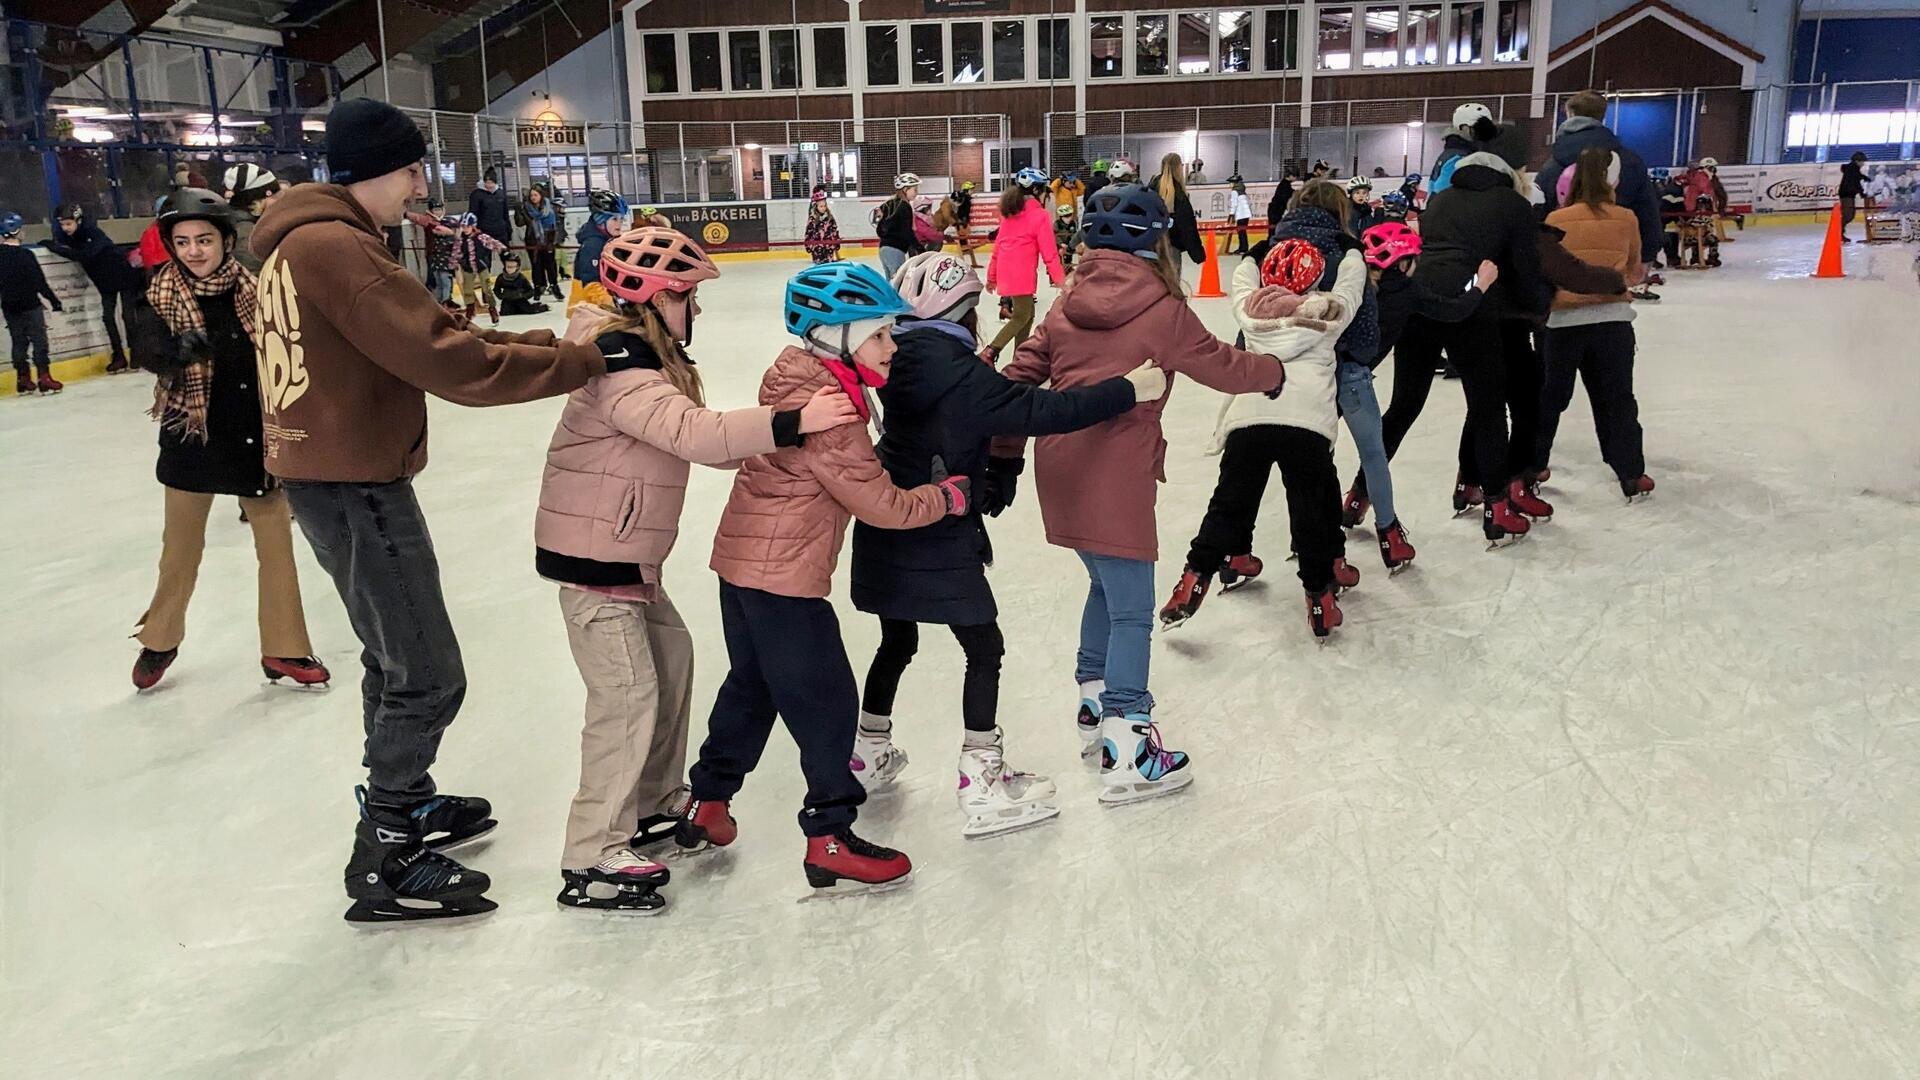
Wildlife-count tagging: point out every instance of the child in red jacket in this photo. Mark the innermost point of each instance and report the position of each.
(1097, 486)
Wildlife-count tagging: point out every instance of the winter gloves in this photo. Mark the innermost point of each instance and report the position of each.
(997, 488)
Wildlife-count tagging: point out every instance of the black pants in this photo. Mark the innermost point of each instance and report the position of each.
(29, 329)
(1241, 229)
(1476, 348)
(1305, 460)
(523, 307)
(109, 300)
(1602, 355)
(1525, 375)
(546, 273)
(1415, 359)
(372, 540)
(787, 660)
(1849, 207)
(979, 692)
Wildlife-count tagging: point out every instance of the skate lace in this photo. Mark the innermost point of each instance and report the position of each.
(1162, 756)
(866, 849)
(429, 870)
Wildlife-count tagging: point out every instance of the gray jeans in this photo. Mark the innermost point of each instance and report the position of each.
(29, 329)
(372, 540)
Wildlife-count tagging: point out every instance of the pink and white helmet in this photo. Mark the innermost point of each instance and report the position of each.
(937, 285)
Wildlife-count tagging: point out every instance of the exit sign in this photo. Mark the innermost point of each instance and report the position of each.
(809, 147)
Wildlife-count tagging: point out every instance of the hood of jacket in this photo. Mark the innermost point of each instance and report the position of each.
(307, 204)
(794, 376)
(1580, 134)
(1111, 288)
(926, 366)
(1483, 171)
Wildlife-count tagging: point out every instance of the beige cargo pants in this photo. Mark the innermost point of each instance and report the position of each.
(637, 662)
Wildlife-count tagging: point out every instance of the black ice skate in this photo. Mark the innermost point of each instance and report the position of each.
(446, 822)
(393, 877)
(624, 884)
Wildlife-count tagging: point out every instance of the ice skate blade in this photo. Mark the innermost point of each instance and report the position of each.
(300, 687)
(369, 915)
(1396, 571)
(597, 905)
(699, 851)
(1470, 508)
(843, 890)
(1126, 795)
(1011, 820)
(1237, 583)
(455, 844)
(1506, 541)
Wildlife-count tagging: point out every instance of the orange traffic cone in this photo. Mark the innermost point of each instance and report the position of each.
(1830, 262)
(1210, 270)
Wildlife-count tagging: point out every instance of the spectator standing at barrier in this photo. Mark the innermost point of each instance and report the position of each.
(542, 231)
(357, 344)
(488, 205)
(1172, 189)
(76, 238)
(1853, 184)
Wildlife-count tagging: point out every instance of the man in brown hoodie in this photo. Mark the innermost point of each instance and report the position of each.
(350, 345)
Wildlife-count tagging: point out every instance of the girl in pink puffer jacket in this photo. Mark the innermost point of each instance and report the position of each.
(610, 503)
(1025, 238)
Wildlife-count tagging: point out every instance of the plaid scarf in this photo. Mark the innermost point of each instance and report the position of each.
(180, 395)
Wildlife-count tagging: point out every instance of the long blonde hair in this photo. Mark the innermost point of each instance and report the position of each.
(644, 321)
(1167, 263)
(1172, 182)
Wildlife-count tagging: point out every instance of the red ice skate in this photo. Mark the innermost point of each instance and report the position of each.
(305, 671)
(1354, 509)
(1239, 570)
(1323, 613)
(1501, 525)
(1637, 488)
(1186, 599)
(50, 385)
(1395, 550)
(150, 666)
(1345, 576)
(1465, 496)
(705, 825)
(842, 864)
(1525, 498)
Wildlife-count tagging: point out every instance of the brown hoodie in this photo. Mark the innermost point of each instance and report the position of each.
(351, 344)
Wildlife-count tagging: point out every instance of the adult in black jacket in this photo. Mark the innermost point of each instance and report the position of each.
(194, 327)
(1583, 131)
(75, 237)
(1172, 186)
(1480, 216)
(1853, 184)
(488, 205)
(942, 409)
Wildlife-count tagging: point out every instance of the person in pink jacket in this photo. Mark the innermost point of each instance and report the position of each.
(610, 503)
(1098, 486)
(775, 551)
(1025, 238)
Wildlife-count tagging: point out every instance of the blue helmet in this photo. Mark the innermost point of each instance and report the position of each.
(1414, 179)
(1393, 200)
(11, 224)
(1030, 178)
(837, 293)
(1126, 217)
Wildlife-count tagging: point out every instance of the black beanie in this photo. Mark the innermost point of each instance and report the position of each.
(368, 138)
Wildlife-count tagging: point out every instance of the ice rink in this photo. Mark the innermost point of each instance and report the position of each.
(1637, 798)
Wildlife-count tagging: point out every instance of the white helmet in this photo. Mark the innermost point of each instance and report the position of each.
(1358, 183)
(1709, 163)
(248, 177)
(1470, 114)
(1121, 169)
(906, 180)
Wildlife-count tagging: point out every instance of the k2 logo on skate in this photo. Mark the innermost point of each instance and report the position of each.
(283, 368)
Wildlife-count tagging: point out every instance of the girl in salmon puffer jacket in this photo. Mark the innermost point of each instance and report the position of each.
(610, 502)
(1097, 487)
(775, 551)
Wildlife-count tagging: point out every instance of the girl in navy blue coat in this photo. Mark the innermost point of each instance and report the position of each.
(942, 407)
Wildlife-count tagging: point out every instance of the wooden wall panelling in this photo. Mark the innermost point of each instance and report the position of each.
(1649, 55)
(680, 14)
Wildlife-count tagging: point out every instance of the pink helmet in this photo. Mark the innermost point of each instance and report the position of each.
(1388, 243)
(937, 285)
(641, 262)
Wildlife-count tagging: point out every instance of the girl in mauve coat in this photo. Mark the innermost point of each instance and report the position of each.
(1097, 487)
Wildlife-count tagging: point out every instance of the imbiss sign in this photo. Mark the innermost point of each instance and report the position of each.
(552, 136)
(722, 226)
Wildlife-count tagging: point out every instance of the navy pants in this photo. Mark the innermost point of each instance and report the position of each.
(787, 660)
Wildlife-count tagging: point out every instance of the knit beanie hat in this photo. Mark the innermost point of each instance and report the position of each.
(368, 138)
(827, 341)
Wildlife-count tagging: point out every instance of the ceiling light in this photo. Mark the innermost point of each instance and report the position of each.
(750, 146)
(969, 140)
(1415, 123)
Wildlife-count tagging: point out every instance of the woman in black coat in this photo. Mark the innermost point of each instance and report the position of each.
(1172, 186)
(195, 327)
(943, 406)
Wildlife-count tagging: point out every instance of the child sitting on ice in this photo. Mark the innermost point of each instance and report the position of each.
(609, 513)
(1283, 316)
(775, 551)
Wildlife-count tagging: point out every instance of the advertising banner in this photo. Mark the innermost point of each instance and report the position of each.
(740, 226)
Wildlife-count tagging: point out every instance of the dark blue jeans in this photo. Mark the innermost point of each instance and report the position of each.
(787, 660)
(29, 328)
(372, 540)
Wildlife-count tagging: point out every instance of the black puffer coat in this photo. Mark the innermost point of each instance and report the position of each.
(232, 460)
(1481, 217)
(105, 264)
(941, 400)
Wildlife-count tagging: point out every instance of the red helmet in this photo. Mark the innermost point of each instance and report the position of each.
(1390, 242)
(641, 262)
(1294, 265)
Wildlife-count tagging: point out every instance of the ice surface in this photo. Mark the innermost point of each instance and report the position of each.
(1635, 798)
